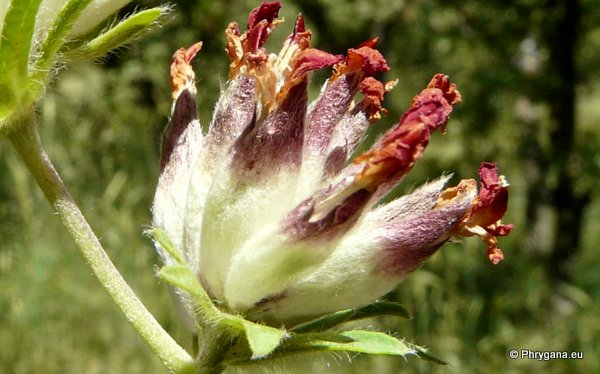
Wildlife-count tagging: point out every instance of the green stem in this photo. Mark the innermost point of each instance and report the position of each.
(216, 341)
(25, 139)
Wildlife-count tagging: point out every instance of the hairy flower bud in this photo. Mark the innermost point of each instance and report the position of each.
(96, 12)
(273, 215)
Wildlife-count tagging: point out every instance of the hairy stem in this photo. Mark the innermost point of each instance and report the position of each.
(26, 141)
(214, 346)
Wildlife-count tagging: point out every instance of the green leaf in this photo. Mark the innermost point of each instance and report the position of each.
(181, 277)
(17, 35)
(15, 46)
(376, 309)
(371, 342)
(124, 32)
(63, 23)
(359, 341)
(262, 339)
(165, 242)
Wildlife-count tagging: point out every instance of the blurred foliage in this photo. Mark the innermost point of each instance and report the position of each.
(102, 123)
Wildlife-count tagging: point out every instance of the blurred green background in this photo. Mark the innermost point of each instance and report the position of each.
(529, 74)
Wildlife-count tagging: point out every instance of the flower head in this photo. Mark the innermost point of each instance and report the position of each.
(274, 215)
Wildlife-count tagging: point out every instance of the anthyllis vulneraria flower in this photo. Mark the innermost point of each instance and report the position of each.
(274, 215)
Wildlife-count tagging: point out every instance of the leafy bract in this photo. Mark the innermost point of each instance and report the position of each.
(123, 33)
(15, 46)
(372, 310)
(261, 339)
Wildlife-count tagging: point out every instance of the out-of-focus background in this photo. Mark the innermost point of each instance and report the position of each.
(529, 74)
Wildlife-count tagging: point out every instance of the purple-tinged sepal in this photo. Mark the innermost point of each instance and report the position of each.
(181, 145)
(275, 139)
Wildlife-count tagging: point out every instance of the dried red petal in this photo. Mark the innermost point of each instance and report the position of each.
(493, 197)
(300, 35)
(308, 60)
(246, 48)
(490, 182)
(234, 48)
(372, 88)
(256, 37)
(313, 59)
(364, 60)
(368, 60)
(373, 61)
(181, 70)
(266, 11)
(442, 82)
(495, 255)
(487, 209)
(502, 230)
(260, 25)
(395, 154)
(374, 91)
